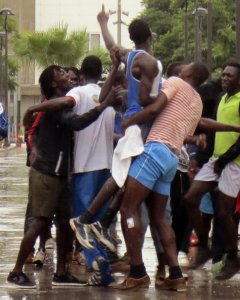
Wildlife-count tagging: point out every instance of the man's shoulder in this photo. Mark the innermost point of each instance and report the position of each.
(174, 80)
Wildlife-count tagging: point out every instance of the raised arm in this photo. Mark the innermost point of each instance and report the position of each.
(78, 122)
(211, 125)
(103, 18)
(52, 105)
(111, 77)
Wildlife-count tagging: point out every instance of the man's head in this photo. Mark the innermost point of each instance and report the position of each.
(139, 31)
(91, 68)
(194, 73)
(74, 75)
(174, 68)
(54, 81)
(231, 76)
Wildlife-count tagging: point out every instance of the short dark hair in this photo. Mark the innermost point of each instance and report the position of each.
(46, 79)
(232, 63)
(139, 31)
(91, 67)
(201, 72)
(73, 69)
(173, 68)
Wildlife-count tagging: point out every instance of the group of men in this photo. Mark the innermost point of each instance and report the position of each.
(81, 121)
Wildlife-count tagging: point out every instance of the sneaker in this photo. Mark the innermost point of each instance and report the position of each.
(183, 259)
(83, 233)
(117, 238)
(131, 283)
(102, 275)
(50, 244)
(67, 280)
(201, 257)
(229, 269)
(217, 267)
(20, 280)
(178, 284)
(103, 236)
(39, 258)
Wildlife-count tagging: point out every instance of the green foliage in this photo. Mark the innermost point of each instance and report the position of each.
(54, 46)
(11, 24)
(12, 73)
(166, 18)
(103, 55)
(12, 62)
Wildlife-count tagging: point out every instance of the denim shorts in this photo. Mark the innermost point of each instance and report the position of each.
(155, 168)
(85, 186)
(206, 204)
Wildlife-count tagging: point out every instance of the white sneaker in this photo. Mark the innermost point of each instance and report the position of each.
(39, 258)
(50, 244)
(183, 259)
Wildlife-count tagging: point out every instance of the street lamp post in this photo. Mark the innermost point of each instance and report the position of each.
(5, 12)
(119, 21)
(199, 13)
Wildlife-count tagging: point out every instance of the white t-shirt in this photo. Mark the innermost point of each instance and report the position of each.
(93, 146)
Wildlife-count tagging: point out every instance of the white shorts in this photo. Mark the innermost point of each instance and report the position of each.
(228, 181)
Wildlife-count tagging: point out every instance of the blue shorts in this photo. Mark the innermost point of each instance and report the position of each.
(155, 168)
(206, 204)
(85, 187)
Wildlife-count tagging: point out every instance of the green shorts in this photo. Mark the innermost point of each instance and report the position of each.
(49, 196)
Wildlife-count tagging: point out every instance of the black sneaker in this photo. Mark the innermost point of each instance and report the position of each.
(201, 257)
(103, 236)
(229, 269)
(83, 233)
(20, 280)
(67, 280)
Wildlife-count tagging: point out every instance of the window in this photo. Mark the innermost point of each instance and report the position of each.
(94, 41)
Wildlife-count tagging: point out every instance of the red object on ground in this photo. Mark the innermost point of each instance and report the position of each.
(193, 240)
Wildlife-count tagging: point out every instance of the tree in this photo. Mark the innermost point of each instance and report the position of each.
(166, 19)
(12, 61)
(54, 46)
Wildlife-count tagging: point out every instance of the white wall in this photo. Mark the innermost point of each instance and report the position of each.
(82, 14)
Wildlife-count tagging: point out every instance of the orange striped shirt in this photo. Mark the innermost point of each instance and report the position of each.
(180, 116)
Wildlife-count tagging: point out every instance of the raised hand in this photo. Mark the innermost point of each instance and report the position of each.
(102, 16)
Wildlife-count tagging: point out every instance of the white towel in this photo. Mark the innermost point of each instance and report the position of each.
(131, 144)
(1, 108)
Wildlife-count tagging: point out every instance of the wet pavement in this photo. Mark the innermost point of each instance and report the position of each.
(13, 199)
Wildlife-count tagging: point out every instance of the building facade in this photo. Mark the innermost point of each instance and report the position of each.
(39, 15)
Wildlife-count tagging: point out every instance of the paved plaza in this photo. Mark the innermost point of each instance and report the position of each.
(13, 199)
